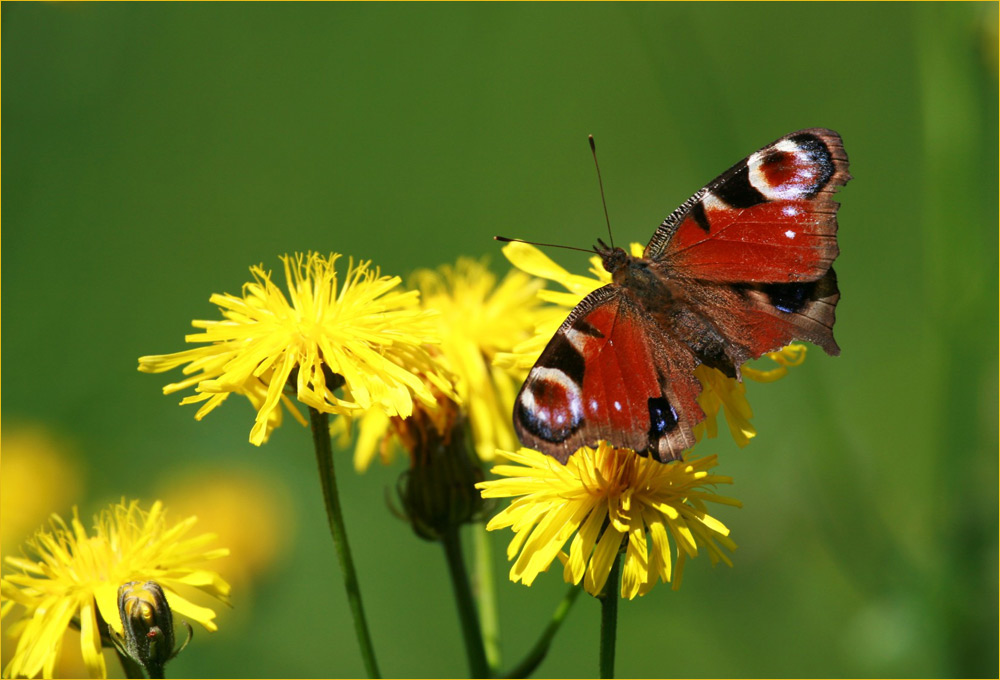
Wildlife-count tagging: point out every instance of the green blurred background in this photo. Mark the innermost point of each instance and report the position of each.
(153, 152)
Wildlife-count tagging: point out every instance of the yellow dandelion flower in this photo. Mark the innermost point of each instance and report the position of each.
(477, 318)
(602, 498)
(717, 390)
(74, 581)
(362, 335)
(721, 391)
(378, 433)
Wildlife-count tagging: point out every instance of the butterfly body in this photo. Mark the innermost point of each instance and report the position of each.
(740, 269)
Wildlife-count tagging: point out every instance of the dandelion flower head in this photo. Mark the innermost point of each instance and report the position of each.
(477, 318)
(604, 497)
(69, 578)
(361, 334)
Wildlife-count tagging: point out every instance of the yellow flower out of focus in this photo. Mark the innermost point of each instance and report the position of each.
(75, 581)
(39, 472)
(257, 532)
(361, 334)
(476, 318)
(601, 498)
(717, 390)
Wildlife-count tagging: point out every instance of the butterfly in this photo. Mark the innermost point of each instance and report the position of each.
(740, 269)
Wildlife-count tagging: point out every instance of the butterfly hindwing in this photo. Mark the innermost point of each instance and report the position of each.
(756, 318)
(609, 373)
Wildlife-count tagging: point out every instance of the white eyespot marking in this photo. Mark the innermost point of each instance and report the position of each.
(783, 172)
(618, 406)
(592, 406)
(790, 234)
(787, 146)
(577, 339)
(713, 202)
(551, 406)
(790, 210)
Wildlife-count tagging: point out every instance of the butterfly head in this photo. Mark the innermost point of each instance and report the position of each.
(614, 259)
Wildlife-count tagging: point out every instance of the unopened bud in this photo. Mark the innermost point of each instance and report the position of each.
(438, 492)
(148, 625)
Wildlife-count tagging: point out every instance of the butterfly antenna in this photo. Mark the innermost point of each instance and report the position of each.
(504, 239)
(593, 150)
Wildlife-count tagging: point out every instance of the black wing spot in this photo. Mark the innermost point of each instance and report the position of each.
(699, 216)
(737, 191)
(563, 355)
(587, 329)
(662, 418)
(789, 297)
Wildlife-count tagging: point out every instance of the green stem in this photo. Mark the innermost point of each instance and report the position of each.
(486, 589)
(541, 648)
(328, 478)
(609, 619)
(466, 605)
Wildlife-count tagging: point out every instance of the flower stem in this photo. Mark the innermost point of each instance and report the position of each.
(466, 605)
(486, 589)
(541, 648)
(328, 478)
(609, 619)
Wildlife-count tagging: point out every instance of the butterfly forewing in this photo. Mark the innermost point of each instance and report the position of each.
(768, 219)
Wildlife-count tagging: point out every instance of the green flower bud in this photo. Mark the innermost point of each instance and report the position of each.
(148, 626)
(438, 492)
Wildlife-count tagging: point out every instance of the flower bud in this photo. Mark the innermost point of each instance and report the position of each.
(148, 625)
(438, 492)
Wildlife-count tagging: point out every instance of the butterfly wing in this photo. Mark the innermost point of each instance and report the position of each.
(609, 373)
(753, 250)
(768, 219)
(736, 322)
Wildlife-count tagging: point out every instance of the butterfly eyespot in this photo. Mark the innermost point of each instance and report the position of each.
(662, 417)
(789, 297)
(793, 169)
(550, 406)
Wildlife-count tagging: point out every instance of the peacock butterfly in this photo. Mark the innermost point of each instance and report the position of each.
(740, 269)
